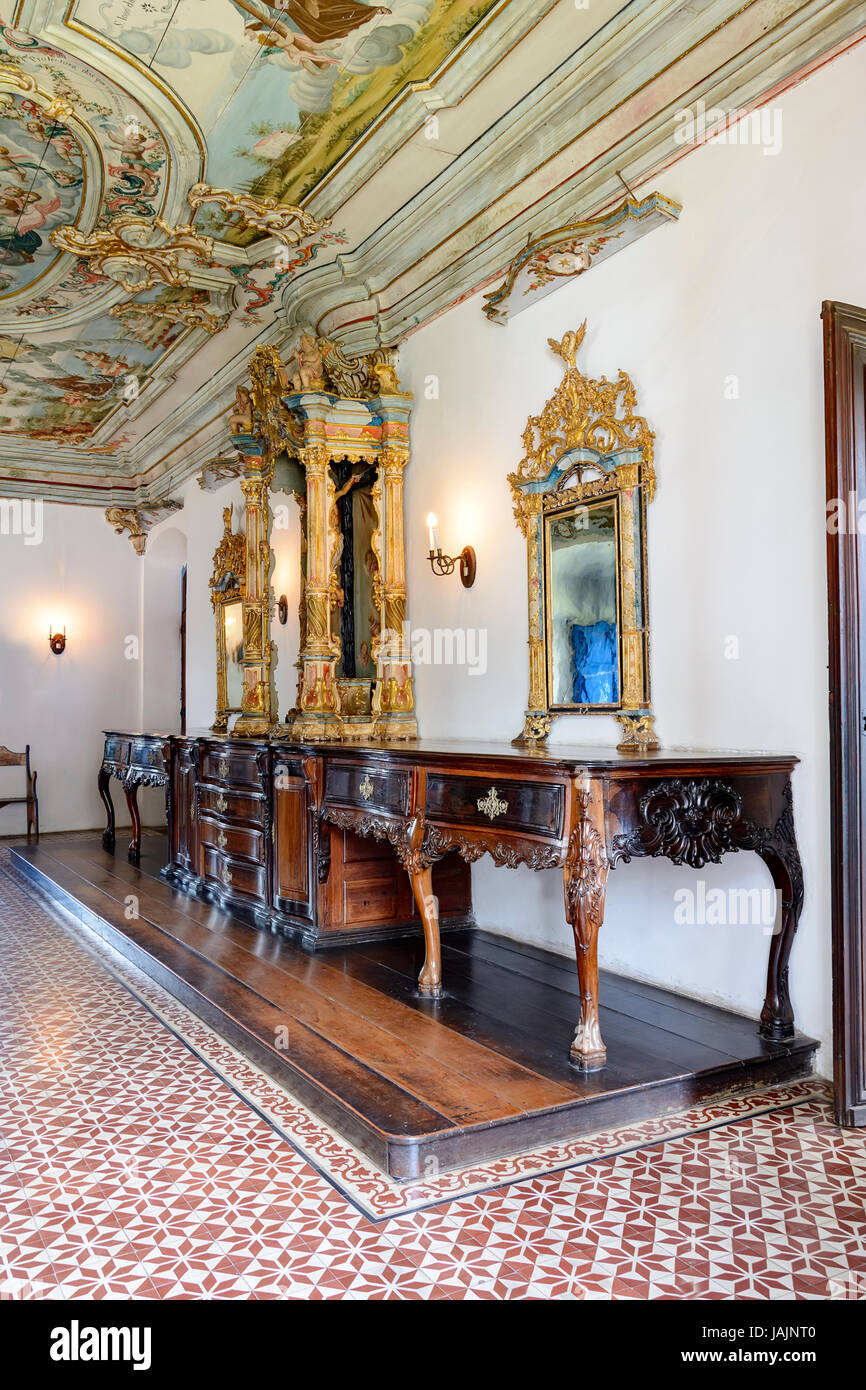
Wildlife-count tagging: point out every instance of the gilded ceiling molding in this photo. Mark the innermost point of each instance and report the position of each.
(124, 249)
(548, 260)
(190, 315)
(14, 77)
(284, 223)
(139, 521)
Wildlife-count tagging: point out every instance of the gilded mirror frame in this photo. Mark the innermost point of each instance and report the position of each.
(588, 446)
(227, 586)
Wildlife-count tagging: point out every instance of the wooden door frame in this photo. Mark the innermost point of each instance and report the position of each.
(844, 334)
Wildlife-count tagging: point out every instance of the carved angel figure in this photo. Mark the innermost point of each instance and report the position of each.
(241, 418)
(310, 372)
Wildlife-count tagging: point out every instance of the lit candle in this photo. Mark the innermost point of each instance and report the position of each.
(434, 535)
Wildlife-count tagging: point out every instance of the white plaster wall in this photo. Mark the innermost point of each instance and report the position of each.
(736, 534)
(85, 576)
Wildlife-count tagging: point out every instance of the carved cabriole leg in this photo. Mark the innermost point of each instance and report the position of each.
(134, 851)
(103, 782)
(420, 873)
(782, 858)
(585, 880)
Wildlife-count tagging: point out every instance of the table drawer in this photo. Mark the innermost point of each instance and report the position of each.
(537, 808)
(237, 879)
(149, 756)
(235, 766)
(369, 788)
(117, 751)
(231, 806)
(234, 839)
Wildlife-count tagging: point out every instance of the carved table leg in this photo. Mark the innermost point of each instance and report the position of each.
(103, 782)
(782, 858)
(134, 851)
(585, 881)
(430, 979)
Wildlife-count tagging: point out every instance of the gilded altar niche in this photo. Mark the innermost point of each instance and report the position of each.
(580, 494)
(341, 427)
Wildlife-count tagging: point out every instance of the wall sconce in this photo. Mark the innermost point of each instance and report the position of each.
(444, 564)
(281, 610)
(57, 640)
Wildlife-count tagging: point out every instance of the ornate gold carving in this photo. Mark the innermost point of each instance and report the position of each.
(126, 252)
(587, 444)
(190, 315)
(284, 222)
(226, 586)
(366, 787)
(222, 804)
(229, 559)
(492, 804)
(14, 77)
(638, 731)
(139, 521)
(582, 412)
(358, 378)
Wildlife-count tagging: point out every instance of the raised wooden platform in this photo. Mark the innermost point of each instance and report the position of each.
(480, 1073)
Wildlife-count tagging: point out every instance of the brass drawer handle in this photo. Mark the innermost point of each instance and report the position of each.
(491, 804)
(226, 874)
(222, 840)
(223, 768)
(366, 787)
(221, 803)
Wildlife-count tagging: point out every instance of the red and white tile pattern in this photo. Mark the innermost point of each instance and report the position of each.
(135, 1166)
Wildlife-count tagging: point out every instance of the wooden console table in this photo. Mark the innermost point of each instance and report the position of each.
(581, 810)
(249, 826)
(136, 760)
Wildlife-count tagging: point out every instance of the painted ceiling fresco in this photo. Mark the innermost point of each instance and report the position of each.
(117, 109)
(283, 90)
(41, 184)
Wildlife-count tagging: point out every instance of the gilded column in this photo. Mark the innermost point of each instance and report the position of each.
(258, 704)
(393, 696)
(537, 722)
(318, 712)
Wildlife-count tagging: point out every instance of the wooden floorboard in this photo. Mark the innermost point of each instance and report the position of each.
(482, 1072)
(455, 1076)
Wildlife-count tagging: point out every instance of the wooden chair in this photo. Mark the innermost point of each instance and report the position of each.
(8, 759)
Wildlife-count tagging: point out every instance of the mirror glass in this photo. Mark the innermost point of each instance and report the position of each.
(233, 629)
(583, 622)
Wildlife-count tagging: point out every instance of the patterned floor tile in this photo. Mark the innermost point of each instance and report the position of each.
(133, 1170)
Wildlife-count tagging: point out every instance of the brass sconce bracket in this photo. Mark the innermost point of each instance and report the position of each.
(445, 564)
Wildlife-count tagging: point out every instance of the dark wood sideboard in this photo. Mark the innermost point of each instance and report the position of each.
(278, 829)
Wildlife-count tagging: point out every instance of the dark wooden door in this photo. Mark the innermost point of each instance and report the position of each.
(183, 650)
(845, 418)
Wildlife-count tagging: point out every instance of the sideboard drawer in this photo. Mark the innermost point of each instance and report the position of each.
(117, 751)
(235, 878)
(234, 839)
(369, 788)
(231, 806)
(235, 766)
(534, 807)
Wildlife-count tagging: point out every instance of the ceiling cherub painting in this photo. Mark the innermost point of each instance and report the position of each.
(41, 178)
(323, 70)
